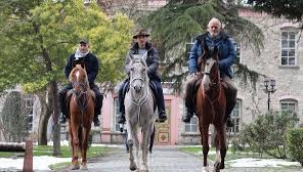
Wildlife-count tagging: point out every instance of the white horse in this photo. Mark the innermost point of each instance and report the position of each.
(139, 111)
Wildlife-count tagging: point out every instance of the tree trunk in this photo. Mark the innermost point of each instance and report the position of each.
(44, 117)
(53, 94)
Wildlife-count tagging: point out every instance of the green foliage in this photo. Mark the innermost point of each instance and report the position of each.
(179, 22)
(291, 9)
(38, 39)
(295, 140)
(261, 135)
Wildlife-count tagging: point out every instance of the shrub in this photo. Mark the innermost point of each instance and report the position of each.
(295, 143)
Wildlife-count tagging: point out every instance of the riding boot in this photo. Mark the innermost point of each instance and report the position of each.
(161, 106)
(188, 115)
(96, 120)
(229, 109)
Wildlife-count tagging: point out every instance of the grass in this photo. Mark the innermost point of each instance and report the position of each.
(39, 150)
(229, 156)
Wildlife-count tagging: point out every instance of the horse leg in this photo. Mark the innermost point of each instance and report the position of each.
(144, 148)
(84, 149)
(204, 141)
(217, 159)
(75, 144)
(130, 142)
(137, 146)
(222, 142)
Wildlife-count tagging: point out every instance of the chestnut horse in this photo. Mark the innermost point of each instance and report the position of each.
(81, 109)
(211, 105)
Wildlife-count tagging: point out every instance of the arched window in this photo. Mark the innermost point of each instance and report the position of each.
(289, 105)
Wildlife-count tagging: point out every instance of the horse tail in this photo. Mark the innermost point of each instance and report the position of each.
(80, 137)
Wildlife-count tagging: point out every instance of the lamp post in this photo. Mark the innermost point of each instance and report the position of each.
(269, 89)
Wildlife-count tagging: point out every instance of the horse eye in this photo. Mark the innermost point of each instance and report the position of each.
(132, 68)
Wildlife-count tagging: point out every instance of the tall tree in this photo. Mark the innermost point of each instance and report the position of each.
(39, 36)
(291, 9)
(180, 21)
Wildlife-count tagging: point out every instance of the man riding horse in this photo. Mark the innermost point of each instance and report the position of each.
(141, 47)
(91, 65)
(214, 37)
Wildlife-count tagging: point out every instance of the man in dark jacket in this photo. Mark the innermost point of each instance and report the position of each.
(92, 67)
(213, 37)
(141, 47)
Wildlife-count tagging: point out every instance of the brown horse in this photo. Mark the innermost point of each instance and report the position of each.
(210, 106)
(81, 109)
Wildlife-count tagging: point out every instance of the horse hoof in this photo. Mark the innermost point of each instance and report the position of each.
(205, 169)
(217, 167)
(83, 167)
(75, 167)
(143, 168)
(133, 167)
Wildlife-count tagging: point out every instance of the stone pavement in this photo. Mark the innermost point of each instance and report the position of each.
(164, 159)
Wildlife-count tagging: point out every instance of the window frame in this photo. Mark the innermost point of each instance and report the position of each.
(287, 49)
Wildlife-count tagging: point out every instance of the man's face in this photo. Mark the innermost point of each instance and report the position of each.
(214, 29)
(141, 41)
(83, 47)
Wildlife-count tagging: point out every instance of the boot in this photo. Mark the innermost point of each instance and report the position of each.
(229, 122)
(96, 121)
(121, 119)
(229, 109)
(162, 117)
(186, 118)
(62, 118)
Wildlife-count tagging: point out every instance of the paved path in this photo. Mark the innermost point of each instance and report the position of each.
(164, 159)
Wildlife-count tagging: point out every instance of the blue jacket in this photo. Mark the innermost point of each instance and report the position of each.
(227, 53)
(91, 65)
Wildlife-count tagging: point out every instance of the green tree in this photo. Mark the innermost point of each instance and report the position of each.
(37, 37)
(180, 21)
(291, 9)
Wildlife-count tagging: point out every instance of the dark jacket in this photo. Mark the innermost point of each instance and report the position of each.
(91, 65)
(152, 61)
(227, 53)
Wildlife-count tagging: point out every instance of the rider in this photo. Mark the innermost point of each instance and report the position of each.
(214, 37)
(92, 68)
(141, 47)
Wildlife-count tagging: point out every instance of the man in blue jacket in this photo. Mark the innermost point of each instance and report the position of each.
(92, 67)
(213, 37)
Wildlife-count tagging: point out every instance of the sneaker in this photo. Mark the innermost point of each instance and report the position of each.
(186, 118)
(96, 121)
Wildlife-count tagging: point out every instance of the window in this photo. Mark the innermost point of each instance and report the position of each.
(192, 127)
(289, 105)
(237, 49)
(116, 115)
(288, 48)
(235, 116)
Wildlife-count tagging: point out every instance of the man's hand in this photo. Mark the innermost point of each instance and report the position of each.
(192, 75)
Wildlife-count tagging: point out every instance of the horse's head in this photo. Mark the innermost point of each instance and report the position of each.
(138, 72)
(209, 65)
(79, 80)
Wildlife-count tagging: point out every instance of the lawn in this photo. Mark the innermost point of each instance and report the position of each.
(229, 155)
